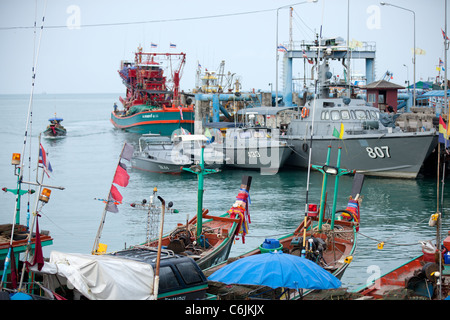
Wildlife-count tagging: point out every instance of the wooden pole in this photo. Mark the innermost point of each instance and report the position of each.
(158, 256)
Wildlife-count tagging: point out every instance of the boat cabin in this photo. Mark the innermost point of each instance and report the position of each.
(383, 94)
(180, 278)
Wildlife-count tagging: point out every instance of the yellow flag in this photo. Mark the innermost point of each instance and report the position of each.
(339, 134)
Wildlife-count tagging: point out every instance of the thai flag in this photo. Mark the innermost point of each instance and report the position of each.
(44, 160)
(444, 35)
(172, 45)
(282, 48)
(154, 45)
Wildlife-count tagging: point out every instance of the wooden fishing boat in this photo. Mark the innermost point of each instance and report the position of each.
(11, 250)
(330, 242)
(55, 128)
(423, 277)
(208, 238)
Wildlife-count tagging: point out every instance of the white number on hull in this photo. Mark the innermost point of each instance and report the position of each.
(253, 154)
(378, 152)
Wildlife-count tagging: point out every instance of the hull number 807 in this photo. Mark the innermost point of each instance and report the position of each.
(378, 152)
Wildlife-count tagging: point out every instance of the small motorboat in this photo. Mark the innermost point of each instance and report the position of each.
(55, 128)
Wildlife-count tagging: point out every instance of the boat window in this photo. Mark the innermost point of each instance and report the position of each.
(345, 115)
(374, 114)
(258, 134)
(167, 279)
(328, 104)
(325, 115)
(360, 114)
(335, 115)
(245, 134)
(189, 273)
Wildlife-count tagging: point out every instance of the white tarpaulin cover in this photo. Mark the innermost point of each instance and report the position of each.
(101, 277)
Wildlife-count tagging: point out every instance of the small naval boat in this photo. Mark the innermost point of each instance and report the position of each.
(172, 154)
(255, 145)
(55, 128)
(372, 143)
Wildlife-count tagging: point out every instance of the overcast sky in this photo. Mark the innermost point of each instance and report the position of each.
(84, 41)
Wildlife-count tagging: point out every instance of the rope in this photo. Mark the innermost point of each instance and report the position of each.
(379, 241)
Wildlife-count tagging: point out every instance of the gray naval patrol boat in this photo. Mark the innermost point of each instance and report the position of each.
(371, 142)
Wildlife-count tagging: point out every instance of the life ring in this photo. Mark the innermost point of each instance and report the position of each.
(348, 215)
(305, 112)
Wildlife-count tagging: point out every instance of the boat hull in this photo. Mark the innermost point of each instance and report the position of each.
(19, 244)
(389, 155)
(57, 132)
(267, 159)
(162, 122)
(415, 275)
(151, 165)
(221, 240)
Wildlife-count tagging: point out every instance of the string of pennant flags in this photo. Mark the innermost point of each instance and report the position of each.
(155, 45)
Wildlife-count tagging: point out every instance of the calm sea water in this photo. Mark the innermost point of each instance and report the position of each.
(394, 211)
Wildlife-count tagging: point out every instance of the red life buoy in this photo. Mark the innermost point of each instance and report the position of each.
(305, 112)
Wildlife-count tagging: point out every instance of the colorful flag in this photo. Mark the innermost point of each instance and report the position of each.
(111, 205)
(339, 134)
(444, 35)
(121, 177)
(44, 160)
(127, 152)
(419, 51)
(441, 65)
(306, 57)
(115, 194)
(153, 45)
(172, 45)
(38, 255)
(14, 274)
(282, 48)
(443, 134)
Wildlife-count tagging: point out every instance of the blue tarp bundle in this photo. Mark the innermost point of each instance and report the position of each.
(276, 270)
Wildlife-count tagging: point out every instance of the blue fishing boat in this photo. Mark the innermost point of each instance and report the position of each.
(55, 128)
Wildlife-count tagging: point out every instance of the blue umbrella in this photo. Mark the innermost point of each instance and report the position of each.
(276, 270)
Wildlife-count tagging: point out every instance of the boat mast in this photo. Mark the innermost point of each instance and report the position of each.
(42, 195)
(107, 201)
(310, 150)
(158, 256)
(200, 171)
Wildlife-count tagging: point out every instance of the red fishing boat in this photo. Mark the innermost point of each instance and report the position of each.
(425, 276)
(153, 103)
